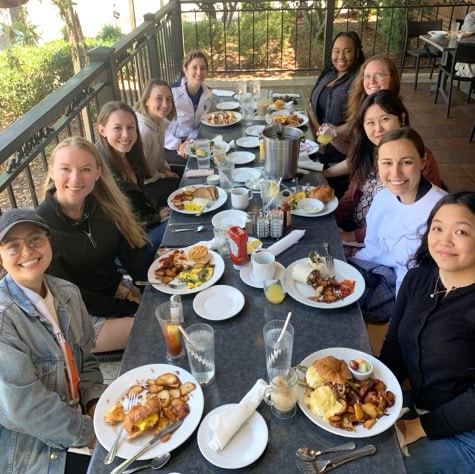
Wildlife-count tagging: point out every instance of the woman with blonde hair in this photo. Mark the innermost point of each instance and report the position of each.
(154, 109)
(93, 226)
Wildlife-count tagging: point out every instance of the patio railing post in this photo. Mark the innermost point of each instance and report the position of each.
(328, 40)
(110, 91)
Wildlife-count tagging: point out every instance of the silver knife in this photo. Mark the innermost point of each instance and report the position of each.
(175, 224)
(156, 438)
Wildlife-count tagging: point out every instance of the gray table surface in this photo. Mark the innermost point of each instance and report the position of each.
(240, 357)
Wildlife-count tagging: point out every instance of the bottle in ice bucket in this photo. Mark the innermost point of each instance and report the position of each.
(238, 246)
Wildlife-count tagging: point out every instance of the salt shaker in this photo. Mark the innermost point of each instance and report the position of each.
(276, 217)
(251, 224)
(263, 228)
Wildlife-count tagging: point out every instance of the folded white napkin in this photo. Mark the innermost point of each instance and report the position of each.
(306, 163)
(199, 173)
(226, 423)
(223, 93)
(286, 242)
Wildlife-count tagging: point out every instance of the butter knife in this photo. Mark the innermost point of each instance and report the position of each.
(155, 439)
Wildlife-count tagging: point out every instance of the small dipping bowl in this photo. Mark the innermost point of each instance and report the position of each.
(360, 373)
(213, 179)
(310, 205)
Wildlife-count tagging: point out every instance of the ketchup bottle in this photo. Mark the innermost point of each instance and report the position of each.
(238, 246)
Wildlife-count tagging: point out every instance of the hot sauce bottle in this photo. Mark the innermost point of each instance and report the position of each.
(285, 207)
(238, 246)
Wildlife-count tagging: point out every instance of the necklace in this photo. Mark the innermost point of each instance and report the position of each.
(438, 292)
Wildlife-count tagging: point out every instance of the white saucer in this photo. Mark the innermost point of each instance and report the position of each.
(231, 105)
(241, 157)
(247, 276)
(254, 130)
(241, 175)
(218, 302)
(229, 217)
(248, 142)
(244, 448)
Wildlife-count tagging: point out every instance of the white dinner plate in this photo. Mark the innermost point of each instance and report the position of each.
(229, 217)
(343, 271)
(204, 120)
(248, 142)
(286, 112)
(218, 302)
(106, 433)
(247, 275)
(222, 198)
(241, 175)
(215, 260)
(380, 372)
(230, 105)
(328, 208)
(243, 449)
(438, 33)
(241, 157)
(219, 142)
(309, 146)
(254, 130)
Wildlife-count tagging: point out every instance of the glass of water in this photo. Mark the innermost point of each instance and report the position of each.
(200, 350)
(226, 175)
(247, 108)
(202, 152)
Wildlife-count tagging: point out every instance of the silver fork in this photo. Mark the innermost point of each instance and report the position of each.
(318, 467)
(329, 258)
(127, 403)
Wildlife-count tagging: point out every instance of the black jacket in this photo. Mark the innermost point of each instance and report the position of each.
(86, 253)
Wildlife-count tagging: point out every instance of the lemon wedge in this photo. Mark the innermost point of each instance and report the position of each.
(200, 153)
(253, 245)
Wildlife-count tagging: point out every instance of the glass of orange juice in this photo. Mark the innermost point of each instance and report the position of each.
(170, 316)
(326, 134)
(274, 290)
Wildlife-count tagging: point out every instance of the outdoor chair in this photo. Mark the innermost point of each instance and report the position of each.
(464, 53)
(411, 38)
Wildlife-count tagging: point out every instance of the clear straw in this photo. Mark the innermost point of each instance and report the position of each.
(276, 352)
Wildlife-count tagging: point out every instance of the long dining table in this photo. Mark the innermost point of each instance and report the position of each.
(239, 346)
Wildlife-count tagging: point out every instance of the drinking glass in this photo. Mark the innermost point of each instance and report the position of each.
(240, 88)
(281, 394)
(203, 153)
(221, 239)
(326, 134)
(226, 175)
(264, 99)
(268, 191)
(247, 109)
(219, 152)
(200, 350)
(278, 354)
(170, 316)
(274, 290)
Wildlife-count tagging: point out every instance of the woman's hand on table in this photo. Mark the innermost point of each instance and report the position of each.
(181, 150)
(170, 174)
(165, 213)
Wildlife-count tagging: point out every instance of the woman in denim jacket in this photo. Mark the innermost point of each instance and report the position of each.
(49, 381)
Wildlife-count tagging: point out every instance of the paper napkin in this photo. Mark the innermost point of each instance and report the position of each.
(306, 163)
(226, 423)
(200, 173)
(286, 242)
(223, 93)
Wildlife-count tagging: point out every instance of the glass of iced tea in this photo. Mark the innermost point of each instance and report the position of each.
(170, 316)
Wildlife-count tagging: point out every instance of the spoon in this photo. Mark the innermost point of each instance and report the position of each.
(156, 463)
(198, 229)
(310, 454)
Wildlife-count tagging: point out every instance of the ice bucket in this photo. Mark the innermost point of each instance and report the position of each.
(281, 151)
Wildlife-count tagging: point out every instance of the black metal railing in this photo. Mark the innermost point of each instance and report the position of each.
(255, 38)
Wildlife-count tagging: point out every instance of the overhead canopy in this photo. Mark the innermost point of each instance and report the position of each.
(12, 3)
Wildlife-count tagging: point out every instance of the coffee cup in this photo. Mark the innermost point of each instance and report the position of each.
(240, 198)
(263, 265)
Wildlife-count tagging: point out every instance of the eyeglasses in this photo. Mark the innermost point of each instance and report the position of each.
(34, 241)
(377, 77)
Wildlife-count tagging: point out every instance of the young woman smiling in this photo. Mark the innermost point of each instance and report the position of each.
(121, 147)
(192, 100)
(49, 381)
(379, 113)
(395, 219)
(153, 111)
(329, 97)
(93, 226)
(430, 341)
